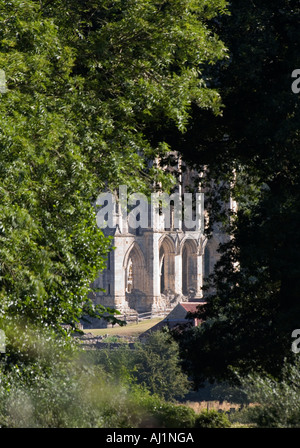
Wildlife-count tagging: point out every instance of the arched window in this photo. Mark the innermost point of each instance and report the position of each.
(134, 266)
(206, 262)
(129, 277)
(185, 271)
(167, 265)
(189, 266)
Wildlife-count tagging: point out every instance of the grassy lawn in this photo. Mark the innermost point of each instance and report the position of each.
(128, 330)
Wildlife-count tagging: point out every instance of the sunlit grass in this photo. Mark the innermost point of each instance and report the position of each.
(133, 329)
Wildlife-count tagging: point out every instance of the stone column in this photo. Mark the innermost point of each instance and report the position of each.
(199, 278)
(118, 274)
(152, 266)
(178, 274)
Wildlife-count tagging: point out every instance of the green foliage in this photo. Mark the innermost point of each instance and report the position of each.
(158, 367)
(154, 365)
(62, 387)
(252, 153)
(86, 82)
(51, 248)
(227, 392)
(86, 87)
(139, 65)
(212, 419)
(278, 402)
(169, 415)
(69, 396)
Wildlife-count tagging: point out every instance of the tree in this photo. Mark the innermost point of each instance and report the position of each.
(254, 149)
(153, 364)
(50, 246)
(85, 83)
(278, 401)
(141, 65)
(158, 367)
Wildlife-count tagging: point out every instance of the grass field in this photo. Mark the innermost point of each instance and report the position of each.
(128, 330)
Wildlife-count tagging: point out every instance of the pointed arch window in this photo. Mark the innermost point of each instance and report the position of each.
(129, 277)
(206, 262)
(134, 267)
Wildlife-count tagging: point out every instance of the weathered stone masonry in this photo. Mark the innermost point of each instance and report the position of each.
(155, 268)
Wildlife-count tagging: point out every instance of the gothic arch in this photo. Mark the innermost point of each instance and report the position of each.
(167, 265)
(134, 266)
(191, 242)
(189, 254)
(210, 256)
(206, 261)
(168, 242)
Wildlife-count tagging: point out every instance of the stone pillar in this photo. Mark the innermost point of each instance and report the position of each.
(155, 267)
(118, 274)
(178, 274)
(152, 267)
(199, 276)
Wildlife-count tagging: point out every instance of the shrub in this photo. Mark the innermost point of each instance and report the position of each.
(154, 364)
(71, 391)
(278, 400)
(212, 419)
(70, 396)
(169, 415)
(157, 367)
